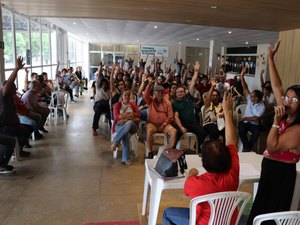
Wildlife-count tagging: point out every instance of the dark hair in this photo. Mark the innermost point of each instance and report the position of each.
(104, 81)
(215, 90)
(258, 94)
(296, 89)
(268, 88)
(216, 157)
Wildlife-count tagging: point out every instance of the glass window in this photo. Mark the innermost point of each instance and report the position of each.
(22, 38)
(59, 46)
(35, 43)
(95, 47)
(133, 48)
(95, 59)
(72, 50)
(47, 69)
(45, 46)
(108, 48)
(8, 39)
(53, 47)
(120, 48)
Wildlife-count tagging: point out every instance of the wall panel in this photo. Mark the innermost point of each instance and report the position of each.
(288, 60)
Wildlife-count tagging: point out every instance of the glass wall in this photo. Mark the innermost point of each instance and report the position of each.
(36, 44)
(8, 38)
(41, 44)
(110, 53)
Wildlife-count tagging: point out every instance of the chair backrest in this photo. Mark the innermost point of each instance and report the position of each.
(222, 205)
(239, 112)
(280, 218)
(59, 99)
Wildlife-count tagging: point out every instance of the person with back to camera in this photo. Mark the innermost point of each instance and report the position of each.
(278, 170)
(221, 162)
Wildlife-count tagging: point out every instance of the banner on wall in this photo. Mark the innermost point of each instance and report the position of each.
(156, 50)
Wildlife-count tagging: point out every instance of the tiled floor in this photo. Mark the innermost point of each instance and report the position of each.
(71, 178)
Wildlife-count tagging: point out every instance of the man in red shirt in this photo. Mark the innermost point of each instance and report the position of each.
(222, 165)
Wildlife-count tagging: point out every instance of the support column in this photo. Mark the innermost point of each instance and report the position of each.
(2, 72)
(211, 55)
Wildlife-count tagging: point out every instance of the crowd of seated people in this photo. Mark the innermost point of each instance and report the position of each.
(170, 101)
(23, 115)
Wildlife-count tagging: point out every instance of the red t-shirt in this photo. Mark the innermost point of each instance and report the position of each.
(208, 183)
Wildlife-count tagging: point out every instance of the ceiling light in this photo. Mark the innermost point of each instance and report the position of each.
(137, 41)
(179, 42)
(247, 42)
(87, 33)
(155, 27)
(229, 32)
(74, 23)
(214, 7)
(198, 39)
(188, 21)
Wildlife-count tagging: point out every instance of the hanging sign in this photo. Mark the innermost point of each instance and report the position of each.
(156, 50)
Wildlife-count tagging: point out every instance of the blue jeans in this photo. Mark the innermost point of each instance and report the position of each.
(34, 121)
(123, 134)
(176, 216)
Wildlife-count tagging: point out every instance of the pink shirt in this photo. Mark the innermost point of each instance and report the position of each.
(286, 156)
(158, 113)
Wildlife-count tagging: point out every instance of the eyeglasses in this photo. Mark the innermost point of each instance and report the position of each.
(292, 100)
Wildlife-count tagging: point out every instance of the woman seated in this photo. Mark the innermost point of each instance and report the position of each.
(126, 119)
(222, 165)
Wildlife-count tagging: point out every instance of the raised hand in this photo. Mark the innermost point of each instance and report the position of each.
(227, 102)
(244, 69)
(279, 113)
(273, 51)
(20, 63)
(144, 78)
(197, 66)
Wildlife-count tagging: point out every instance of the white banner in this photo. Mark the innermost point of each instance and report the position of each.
(156, 50)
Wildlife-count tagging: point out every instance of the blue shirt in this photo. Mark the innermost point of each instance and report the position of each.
(257, 109)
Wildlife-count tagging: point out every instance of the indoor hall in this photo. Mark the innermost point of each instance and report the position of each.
(72, 178)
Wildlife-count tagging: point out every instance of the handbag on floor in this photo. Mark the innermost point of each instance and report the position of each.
(167, 163)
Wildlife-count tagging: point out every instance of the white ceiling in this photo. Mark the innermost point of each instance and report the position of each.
(140, 32)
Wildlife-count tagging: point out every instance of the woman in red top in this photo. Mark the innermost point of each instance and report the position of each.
(222, 165)
(126, 117)
(278, 174)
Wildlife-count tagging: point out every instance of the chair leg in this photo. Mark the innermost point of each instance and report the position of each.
(55, 116)
(65, 115)
(134, 144)
(17, 150)
(115, 153)
(33, 136)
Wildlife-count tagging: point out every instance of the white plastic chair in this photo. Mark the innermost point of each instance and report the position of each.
(222, 204)
(61, 97)
(189, 136)
(156, 135)
(280, 218)
(239, 112)
(133, 145)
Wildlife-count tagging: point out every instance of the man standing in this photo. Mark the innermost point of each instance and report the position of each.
(160, 116)
(184, 113)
